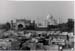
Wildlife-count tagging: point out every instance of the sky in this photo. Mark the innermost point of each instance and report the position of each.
(36, 10)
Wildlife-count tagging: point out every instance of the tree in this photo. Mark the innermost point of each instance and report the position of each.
(70, 24)
(7, 26)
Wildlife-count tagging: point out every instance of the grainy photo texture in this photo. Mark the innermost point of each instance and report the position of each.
(37, 25)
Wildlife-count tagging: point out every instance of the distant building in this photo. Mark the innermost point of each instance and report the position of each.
(51, 20)
(20, 24)
(41, 24)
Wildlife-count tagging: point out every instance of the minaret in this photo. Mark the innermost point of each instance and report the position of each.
(49, 19)
(12, 24)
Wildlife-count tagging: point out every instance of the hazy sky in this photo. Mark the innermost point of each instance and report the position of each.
(36, 10)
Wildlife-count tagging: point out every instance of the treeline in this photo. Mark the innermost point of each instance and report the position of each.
(69, 26)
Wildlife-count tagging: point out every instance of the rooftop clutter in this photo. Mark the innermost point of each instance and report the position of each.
(23, 40)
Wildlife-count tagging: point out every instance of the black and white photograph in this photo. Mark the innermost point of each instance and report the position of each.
(37, 25)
